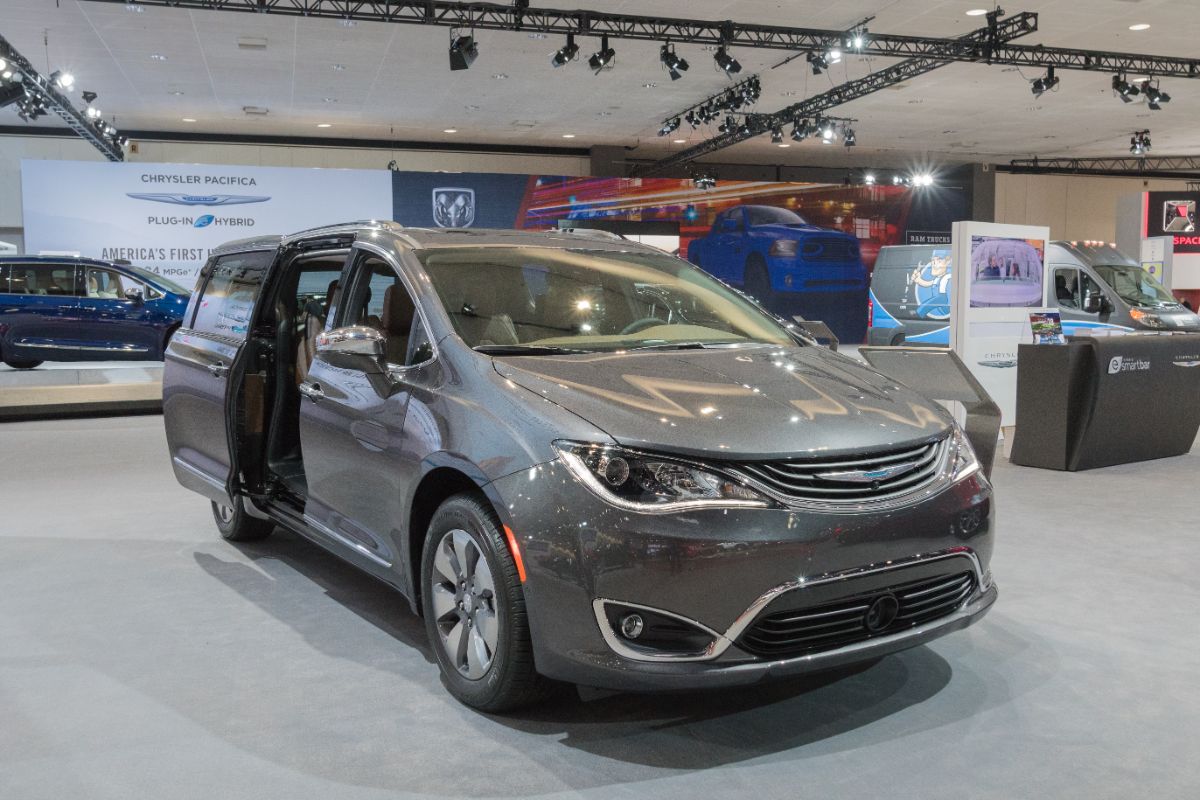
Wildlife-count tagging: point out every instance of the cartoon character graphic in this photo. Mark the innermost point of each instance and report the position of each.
(931, 286)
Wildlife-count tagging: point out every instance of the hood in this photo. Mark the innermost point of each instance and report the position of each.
(753, 403)
(795, 230)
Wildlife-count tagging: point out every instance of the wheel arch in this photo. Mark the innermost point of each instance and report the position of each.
(441, 482)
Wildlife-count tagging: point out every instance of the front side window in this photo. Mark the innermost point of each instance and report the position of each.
(1134, 285)
(379, 299)
(105, 284)
(1066, 287)
(42, 279)
(590, 300)
(227, 299)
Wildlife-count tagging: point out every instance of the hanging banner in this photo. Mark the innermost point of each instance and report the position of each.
(1000, 277)
(168, 217)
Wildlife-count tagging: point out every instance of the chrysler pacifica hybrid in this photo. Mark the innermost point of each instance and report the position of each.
(578, 458)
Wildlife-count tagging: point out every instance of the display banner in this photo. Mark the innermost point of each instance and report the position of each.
(168, 217)
(1000, 277)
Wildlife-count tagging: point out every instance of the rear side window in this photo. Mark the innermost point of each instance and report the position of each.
(230, 291)
(42, 279)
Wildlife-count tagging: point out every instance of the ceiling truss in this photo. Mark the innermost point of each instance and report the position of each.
(1129, 166)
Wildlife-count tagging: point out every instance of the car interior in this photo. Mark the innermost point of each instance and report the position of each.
(301, 300)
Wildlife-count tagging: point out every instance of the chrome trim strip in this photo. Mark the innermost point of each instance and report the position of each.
(199, 473)
(48, 346)
(346, 541)
(724, 641)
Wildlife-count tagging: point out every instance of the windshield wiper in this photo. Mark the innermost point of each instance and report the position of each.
(691, 346)
(526, 350)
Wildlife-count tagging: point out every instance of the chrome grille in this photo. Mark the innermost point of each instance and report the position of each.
(848, 479)
(794, 632)
(828, 248)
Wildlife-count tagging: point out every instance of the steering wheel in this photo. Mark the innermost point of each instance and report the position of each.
(640, 325)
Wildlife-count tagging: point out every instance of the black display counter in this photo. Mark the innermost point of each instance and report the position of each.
(1095, 402)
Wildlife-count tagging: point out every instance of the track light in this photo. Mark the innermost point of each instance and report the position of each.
(669, 127)
(674, 62)
(1045, 83)
(602, 58)
(1139, 143)
(728, 64)
(463, 52)
(566, 53)
(1124, 89)
(817, 62)
(1154, 96)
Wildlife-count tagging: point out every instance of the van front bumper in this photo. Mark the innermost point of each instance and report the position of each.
(718, 571)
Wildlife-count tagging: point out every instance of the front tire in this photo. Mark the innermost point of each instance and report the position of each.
(474, 609)
(21, 363)
(236, 525)
(758, 282)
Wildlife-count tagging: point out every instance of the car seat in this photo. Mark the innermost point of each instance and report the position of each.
(315, 315)
(398, 314)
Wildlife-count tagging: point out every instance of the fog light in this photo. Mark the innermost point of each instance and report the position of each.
(632, 626)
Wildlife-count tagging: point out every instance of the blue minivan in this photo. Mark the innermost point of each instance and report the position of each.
(55, 308)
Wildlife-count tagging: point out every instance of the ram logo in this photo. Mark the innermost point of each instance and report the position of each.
(453, 207)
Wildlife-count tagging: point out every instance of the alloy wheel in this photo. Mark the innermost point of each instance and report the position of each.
(225, 513)
(464, 604)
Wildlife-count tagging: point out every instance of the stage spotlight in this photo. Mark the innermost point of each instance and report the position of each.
(88, 97)
(817, 62)
(674, 62)
(777, 135)
(849, 138)
(745, 129)
(63, 80)
(1124, 89)
(704, 180)
(1154, 96)
(858, 40)
(669, 127)
(828, 133)
(463, 52)
(728, 64)
(869, 179)
(1045, 83)
(566, 53)
(1139, 143)
(91, 112)
(834, 56)
(602, 58)
(800, 130)
(729, 125)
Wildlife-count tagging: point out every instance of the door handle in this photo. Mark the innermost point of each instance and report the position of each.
(218, 370)
(312, 391)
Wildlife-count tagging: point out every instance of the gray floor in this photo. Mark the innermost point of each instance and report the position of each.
(141, 657)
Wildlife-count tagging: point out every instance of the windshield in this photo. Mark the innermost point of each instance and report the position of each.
(542, 300)
(159, 280)
(1134, 285)
(768, 215)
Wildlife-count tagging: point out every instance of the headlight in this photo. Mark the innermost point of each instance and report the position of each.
(963, 461)
(646, 483)
(784, 247)
(1147, 318)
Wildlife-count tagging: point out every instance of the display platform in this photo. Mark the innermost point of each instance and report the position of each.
(1096, 402)
(101, 387)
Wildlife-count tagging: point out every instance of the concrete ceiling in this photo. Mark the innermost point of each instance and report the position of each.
(154, 67)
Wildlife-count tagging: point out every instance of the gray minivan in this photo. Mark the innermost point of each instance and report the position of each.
(578, 457)
(1092, 284)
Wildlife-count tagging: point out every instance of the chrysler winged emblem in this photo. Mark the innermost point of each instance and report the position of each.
(198, 199)
(868, 475)
(453, 207)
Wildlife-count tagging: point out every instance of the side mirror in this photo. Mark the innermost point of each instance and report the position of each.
(1093, 302)
(134, 293)
(355, 340)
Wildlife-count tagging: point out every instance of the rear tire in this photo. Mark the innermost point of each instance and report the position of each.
(474, 609)
(236, 525)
